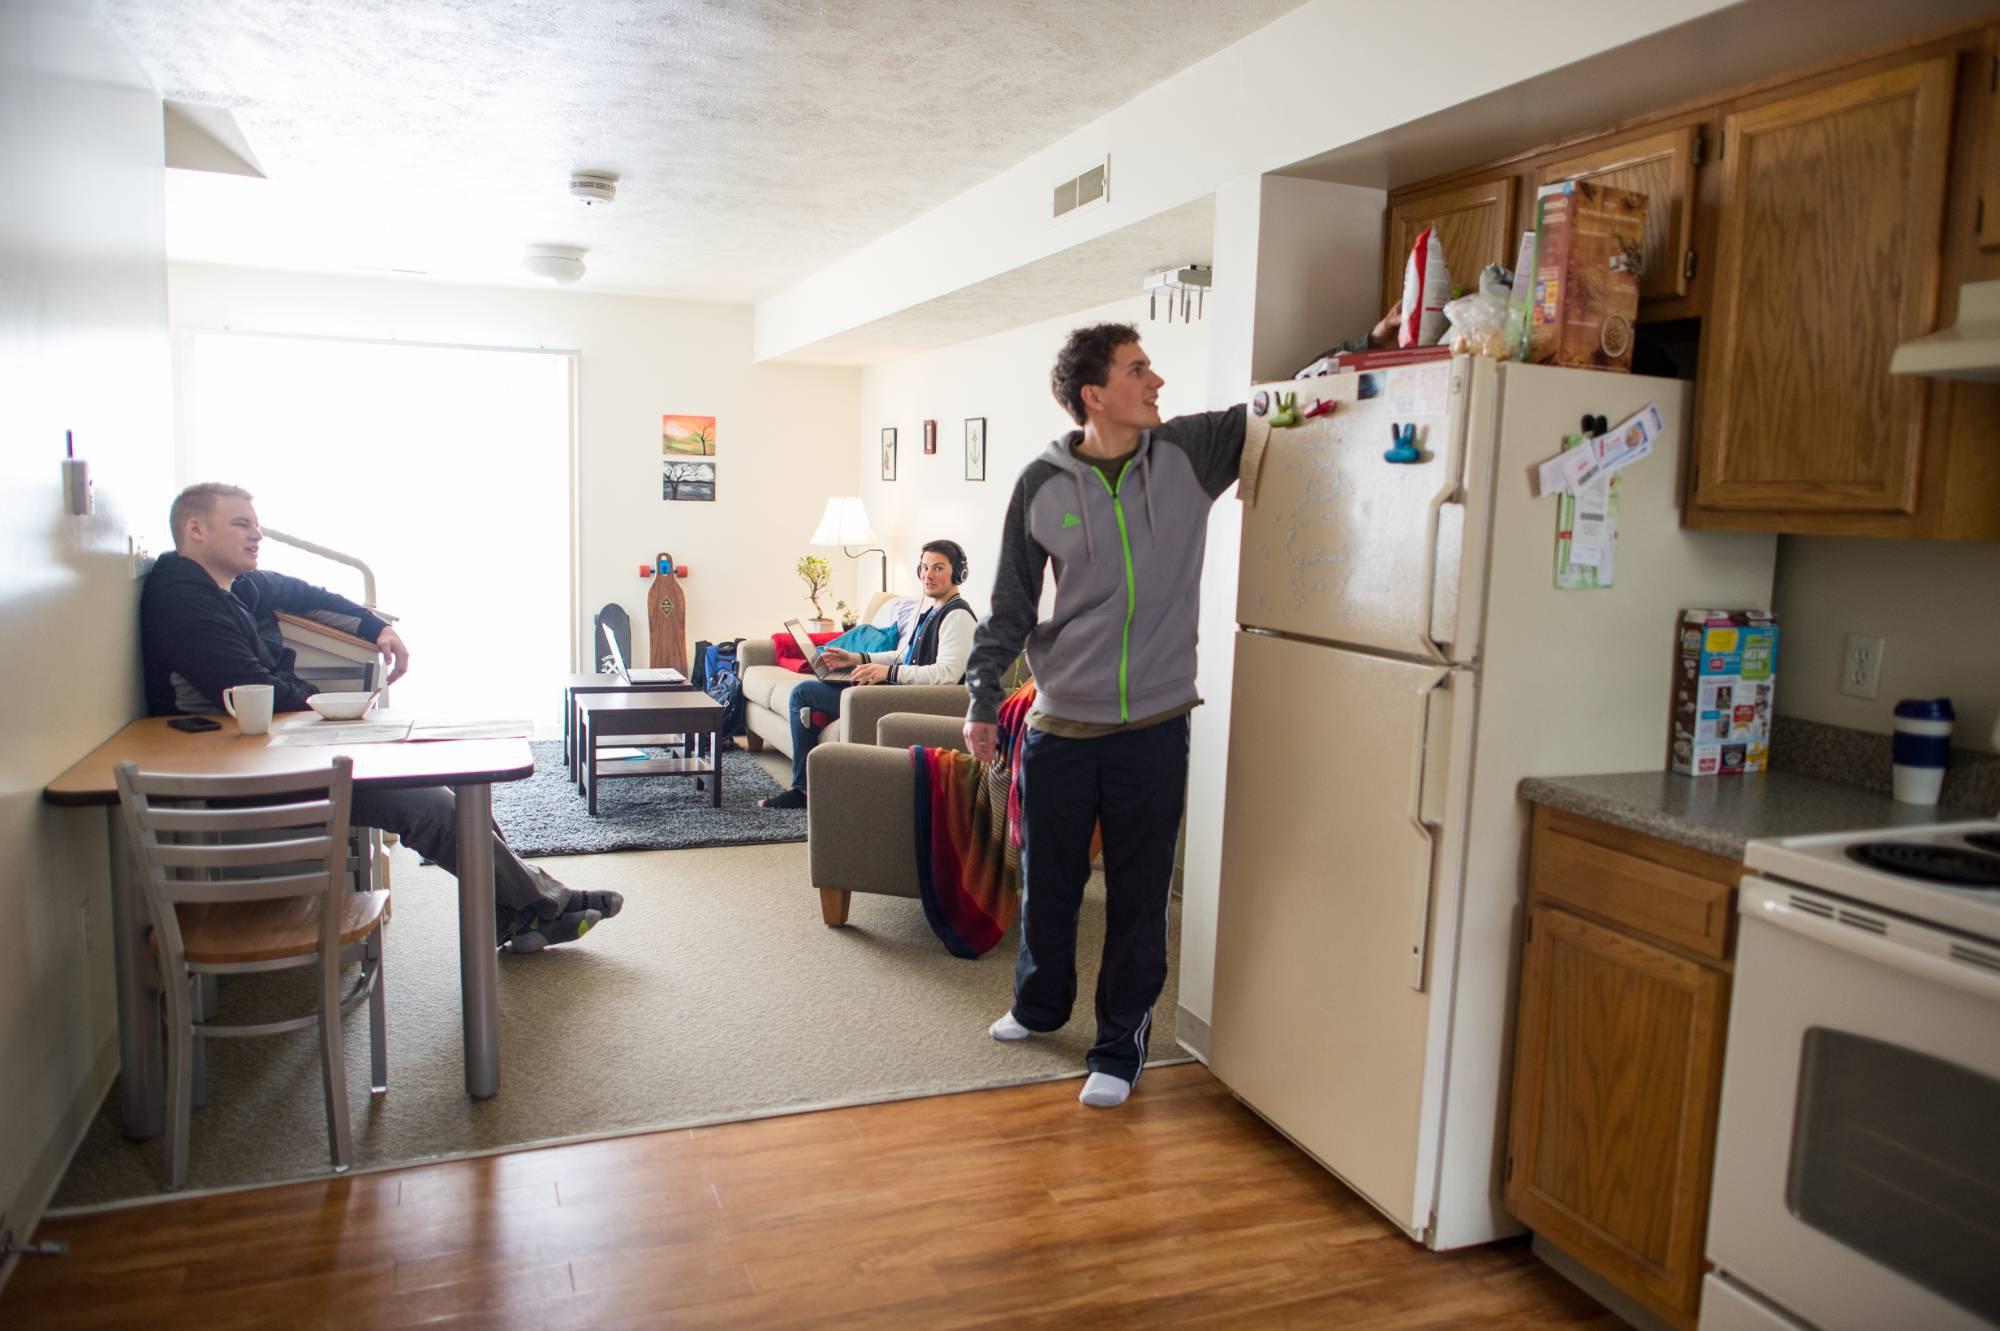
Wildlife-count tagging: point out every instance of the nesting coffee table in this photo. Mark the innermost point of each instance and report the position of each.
(611, 717)
(578, 685)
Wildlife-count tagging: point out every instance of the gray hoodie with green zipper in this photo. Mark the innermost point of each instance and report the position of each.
(1120, 643)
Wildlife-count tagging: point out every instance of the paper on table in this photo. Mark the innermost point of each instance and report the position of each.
(437, 730)
(341, 732)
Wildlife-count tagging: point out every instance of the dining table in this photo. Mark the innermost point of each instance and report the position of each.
(470, 767)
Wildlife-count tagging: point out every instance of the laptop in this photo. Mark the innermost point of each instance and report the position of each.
(662, 676)
(814, 655)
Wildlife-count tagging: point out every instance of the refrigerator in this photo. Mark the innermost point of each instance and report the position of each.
(1403, 659)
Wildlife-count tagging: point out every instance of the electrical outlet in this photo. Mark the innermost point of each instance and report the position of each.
(1861, 666)
(138, 558)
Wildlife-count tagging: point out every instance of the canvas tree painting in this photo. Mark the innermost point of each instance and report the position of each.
(687, 436)
(687, 480)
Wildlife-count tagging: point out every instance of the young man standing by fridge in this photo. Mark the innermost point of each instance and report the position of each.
(1121, 506)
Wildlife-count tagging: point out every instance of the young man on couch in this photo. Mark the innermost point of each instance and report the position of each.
(939, 645)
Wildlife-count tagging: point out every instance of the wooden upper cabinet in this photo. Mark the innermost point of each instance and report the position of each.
(1617, 1071)
(1475, 222)
(1828, 254)
(1661, 167)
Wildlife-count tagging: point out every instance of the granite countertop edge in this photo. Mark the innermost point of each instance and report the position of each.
(1721, 815)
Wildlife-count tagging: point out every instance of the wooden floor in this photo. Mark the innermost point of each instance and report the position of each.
(1004, 1208)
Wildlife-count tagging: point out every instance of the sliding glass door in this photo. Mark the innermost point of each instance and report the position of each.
(448, 470)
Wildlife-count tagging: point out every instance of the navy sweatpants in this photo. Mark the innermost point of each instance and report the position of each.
(1136, 783)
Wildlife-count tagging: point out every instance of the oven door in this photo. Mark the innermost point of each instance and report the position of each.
(1857, 1165)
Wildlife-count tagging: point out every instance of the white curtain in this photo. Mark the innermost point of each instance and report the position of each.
(445, 469)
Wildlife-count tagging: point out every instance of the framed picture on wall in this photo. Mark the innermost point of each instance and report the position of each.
(889, 453)
(975, 448)
(930, 437)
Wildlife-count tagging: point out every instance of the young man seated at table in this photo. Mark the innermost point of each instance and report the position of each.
(939, 644)
(208, 622)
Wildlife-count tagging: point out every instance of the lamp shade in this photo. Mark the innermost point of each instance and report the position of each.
(845, 522)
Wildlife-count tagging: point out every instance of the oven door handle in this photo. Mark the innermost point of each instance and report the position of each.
(1767, 902)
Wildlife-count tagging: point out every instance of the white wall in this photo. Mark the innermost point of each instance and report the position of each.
(1299, 269)
(784, 432)
(1004, 378)
(83, 347)
(1937, 603)
(1329, 73)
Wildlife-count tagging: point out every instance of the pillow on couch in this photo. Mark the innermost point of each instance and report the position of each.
(867, 638)
(789, 656)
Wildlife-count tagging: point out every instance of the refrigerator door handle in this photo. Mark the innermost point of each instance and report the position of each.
(1439, 529)
(1420, 890)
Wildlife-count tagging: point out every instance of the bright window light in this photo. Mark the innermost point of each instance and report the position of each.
(446, 469)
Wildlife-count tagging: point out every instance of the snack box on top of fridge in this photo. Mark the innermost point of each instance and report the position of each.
(1589, 243)
(1725, 672)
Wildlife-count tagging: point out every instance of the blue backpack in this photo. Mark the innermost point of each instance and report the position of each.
(721, 678)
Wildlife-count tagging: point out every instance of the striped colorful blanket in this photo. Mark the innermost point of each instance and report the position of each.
(969, 836)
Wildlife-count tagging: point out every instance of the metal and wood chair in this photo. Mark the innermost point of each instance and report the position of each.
(259, 884)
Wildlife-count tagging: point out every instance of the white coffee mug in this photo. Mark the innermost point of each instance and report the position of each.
(250, 704)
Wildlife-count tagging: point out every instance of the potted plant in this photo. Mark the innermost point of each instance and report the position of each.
(817, 573)
(848, 616)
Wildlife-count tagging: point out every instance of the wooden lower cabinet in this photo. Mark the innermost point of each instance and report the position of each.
(1617, 1064)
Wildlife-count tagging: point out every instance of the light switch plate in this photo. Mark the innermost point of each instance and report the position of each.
(1861, 666)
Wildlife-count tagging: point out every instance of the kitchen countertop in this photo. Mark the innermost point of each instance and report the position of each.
(1721, 814)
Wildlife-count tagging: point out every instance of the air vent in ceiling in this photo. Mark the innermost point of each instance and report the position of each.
(1088, 190)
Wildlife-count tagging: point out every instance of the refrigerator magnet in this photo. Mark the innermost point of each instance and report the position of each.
(1405, 439)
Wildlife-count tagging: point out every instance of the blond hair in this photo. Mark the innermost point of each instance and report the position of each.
(198, 501)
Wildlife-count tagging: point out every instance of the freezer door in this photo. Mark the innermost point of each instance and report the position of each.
(1343, 546)
(1321, 1000)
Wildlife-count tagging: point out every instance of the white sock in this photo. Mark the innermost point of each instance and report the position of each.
(1007, 1028)
(1101, 1090)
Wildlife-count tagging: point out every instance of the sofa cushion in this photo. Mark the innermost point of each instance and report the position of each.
(865, 638)
(789, 656)
(769, 686)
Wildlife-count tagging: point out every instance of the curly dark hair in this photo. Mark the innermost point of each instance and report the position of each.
(1086, 359)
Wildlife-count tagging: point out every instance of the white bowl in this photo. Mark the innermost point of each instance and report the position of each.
(340, 706)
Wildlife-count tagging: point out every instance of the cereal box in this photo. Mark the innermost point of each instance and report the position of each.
(1589, 243)
(1725, 668)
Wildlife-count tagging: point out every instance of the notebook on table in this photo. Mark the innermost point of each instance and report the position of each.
(661, 676)
(814, 655)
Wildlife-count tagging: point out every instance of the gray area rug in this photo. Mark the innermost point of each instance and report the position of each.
(716, 994)
(544, 815)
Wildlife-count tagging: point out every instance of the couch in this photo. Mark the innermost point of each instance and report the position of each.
(767, 690)
(860, 836)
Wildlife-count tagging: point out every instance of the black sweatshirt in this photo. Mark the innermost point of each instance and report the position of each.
(199, 640)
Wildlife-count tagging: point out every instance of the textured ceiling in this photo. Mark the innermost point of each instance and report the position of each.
(756, 140)
(1094, 273)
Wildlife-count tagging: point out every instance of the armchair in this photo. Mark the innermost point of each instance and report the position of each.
(860, 837)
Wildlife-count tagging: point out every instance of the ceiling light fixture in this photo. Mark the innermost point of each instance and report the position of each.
(593, 189)
(561, 264)
(1187, 284)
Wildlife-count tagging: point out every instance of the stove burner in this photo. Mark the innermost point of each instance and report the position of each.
(1937, 864)
(1985, 841)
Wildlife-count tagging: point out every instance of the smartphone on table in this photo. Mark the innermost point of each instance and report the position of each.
(194, 724)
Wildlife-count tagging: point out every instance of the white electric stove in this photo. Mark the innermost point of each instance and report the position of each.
(1857, 1170)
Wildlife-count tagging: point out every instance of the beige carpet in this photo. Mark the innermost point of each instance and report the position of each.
(716, 994)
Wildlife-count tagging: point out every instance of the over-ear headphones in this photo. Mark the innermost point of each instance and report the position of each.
(950, 550)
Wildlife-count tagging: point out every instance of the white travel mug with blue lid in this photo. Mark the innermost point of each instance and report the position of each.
(1922, 743)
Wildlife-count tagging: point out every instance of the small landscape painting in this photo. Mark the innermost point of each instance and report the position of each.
(687, 480)
(687, 435)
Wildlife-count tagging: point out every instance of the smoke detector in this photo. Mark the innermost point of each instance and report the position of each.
(593, 189)
(561, 264)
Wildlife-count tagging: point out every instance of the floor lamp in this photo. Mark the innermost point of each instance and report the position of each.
(845, 523)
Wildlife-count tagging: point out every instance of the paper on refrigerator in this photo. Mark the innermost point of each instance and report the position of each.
(1587, 530)
(1629, 441)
